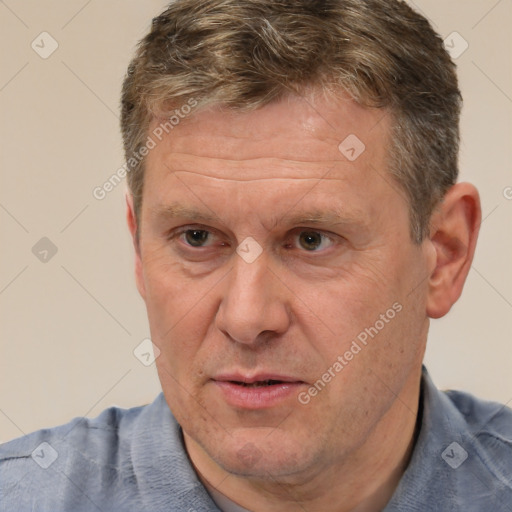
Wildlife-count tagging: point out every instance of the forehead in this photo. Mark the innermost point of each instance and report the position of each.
(287, 157)
(297, 137)
(282, 161)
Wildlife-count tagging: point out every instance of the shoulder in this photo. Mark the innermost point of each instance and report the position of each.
(95, 433)
(462, 459)
(489, 432)
(478, 413)
(125, 459)
(52, 467)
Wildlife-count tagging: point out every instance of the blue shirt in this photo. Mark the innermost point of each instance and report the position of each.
(134, 459)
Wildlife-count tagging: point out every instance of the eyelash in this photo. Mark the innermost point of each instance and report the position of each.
(182, 230)
(298, 231)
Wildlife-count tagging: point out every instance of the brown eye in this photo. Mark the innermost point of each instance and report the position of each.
(310, 240)
(313, 241)
(196, 237)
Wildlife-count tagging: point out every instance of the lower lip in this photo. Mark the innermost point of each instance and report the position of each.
(257, 397)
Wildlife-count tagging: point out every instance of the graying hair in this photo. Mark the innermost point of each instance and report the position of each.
(244, 54)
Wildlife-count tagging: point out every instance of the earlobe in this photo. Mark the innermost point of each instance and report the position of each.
(454, 233)
(131, 219)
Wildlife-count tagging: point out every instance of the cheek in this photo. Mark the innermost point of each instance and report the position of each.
(348, 303)
(179, 310)
(365, 316)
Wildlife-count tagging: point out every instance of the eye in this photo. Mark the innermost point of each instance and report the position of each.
(196, 237)
(313, 241)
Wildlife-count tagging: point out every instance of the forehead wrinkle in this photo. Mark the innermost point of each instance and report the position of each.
(195, 158)
(248, 180)
(245, 169)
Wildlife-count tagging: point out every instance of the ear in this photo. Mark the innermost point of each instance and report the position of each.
(132, 226)
(455, 225)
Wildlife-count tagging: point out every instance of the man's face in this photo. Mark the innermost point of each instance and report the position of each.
(336, 259)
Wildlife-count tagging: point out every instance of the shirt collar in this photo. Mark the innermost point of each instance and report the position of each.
(445, 471)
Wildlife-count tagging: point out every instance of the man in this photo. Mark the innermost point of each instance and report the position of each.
(296, 222)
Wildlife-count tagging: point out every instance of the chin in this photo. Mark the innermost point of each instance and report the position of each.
(260, 457)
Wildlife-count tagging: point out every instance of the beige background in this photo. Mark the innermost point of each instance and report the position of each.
(69, 325)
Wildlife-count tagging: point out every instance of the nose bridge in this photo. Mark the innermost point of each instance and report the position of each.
(251, 301)
(250, 282)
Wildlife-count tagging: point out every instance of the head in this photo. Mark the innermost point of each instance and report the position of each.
(292, 170)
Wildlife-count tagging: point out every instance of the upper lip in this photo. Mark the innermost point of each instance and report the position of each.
(257, 377)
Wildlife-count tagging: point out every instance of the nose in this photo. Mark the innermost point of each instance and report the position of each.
(253, 304)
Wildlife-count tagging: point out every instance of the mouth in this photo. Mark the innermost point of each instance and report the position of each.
(260, 379)
(259, 383)
(257, 391)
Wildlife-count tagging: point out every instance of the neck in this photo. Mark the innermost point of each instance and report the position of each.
(362, 482)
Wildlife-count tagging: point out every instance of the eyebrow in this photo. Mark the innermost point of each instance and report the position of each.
(177, 210)
(312, 217)
(316, 216)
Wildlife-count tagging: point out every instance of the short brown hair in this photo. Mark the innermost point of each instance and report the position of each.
(244, 54)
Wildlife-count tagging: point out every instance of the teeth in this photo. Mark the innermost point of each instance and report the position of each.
(259, 383)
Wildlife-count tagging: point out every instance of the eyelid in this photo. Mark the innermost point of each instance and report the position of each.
(323, 232)
(332, 237)
(174, 232)
(213, 239)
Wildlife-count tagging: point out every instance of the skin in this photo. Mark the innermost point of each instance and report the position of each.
(298, 306)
